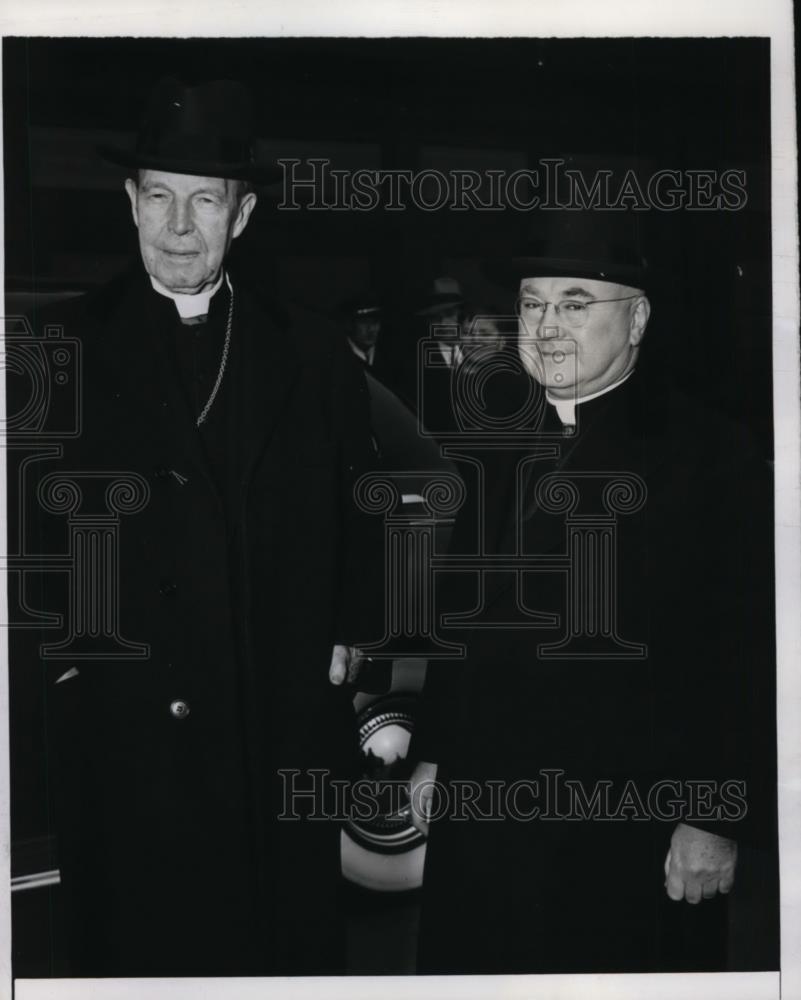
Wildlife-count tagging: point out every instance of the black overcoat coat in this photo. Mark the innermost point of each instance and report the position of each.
(167, 755)
(567, 889)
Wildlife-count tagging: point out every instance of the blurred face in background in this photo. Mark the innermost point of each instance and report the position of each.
(365, 330)
(449, 318)
(483, 333)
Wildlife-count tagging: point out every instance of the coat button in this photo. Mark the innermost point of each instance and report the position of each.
(167, 588)
(179, 709)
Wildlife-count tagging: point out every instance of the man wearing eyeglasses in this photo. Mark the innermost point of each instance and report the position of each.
(589, 770)
(575, 351)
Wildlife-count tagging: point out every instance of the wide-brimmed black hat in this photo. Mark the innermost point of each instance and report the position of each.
(585, 228)
(585, 243)
(205, 130)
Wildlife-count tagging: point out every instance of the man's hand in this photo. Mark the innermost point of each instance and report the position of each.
(699, 864)
(421, 794)
(346, 664)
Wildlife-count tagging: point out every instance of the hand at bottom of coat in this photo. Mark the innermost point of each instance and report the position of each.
(699, 864)
(421, 795)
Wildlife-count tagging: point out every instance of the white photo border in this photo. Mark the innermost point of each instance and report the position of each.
(493, 18)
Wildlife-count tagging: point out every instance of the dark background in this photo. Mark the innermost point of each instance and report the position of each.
(678, 104)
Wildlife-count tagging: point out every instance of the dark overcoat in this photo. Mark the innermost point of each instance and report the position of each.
(573, 887)
(167, 745)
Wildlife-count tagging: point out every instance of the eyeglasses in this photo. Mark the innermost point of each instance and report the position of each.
(574, 312)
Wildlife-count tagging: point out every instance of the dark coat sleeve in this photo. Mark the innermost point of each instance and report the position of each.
(716, 703)
(442, 713)
(360, 607)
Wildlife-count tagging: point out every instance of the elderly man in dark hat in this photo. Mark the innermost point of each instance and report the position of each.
(184, 761)
(619, 650)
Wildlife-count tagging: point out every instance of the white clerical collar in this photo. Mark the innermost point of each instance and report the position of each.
(451, 353)
(367, 356)
(190, 306)
(566, 408)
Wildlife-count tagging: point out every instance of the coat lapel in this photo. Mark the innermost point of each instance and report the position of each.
(610, 440)
(139, 350)
(263, 369)
(267, 369)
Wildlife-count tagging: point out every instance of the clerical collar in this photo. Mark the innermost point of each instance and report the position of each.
(189, 306)
(566, 408)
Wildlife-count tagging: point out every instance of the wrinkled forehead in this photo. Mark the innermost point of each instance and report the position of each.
(569, 288)
(183, 183)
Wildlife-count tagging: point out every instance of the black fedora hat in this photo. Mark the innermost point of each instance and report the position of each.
(445, 294)
(585, 243)
(362, 306)
(205, 130)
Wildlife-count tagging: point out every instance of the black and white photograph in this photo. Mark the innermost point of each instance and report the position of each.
(401, 507)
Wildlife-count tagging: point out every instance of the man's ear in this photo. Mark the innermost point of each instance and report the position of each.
(131, 189)
(246, 206)
(638, 320)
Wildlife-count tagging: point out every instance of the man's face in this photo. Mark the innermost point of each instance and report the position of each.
(448, 317)
(575, 361)
(365, 331)
(484, 333)
(186, 225)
